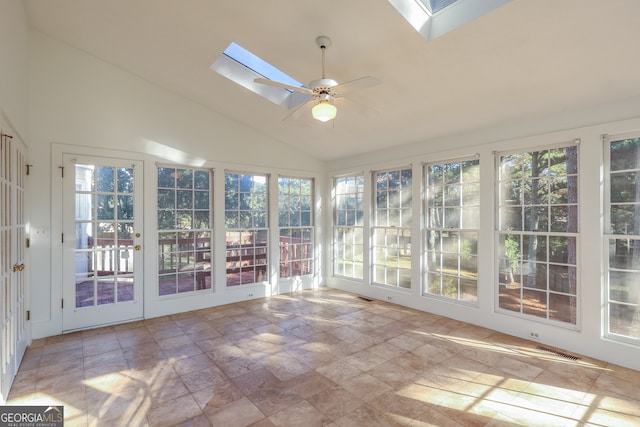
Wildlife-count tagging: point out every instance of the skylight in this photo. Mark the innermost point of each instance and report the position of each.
(434, 18)
(241, 66)
(436, 6)
(260, 66)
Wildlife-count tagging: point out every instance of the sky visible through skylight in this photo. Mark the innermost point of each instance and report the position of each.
(437, 5)
(260, 66)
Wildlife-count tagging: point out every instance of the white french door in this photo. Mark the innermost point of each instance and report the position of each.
(12, 260)
(102, 241)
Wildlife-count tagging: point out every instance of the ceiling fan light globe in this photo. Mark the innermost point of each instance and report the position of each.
(324, 111)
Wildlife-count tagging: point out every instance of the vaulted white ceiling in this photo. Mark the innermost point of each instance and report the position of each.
(525, 59)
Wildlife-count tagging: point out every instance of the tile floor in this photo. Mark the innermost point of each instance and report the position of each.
(318, 358)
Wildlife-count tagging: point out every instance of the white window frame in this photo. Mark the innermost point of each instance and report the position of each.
(401, 230)
(203, 264)
(427, 228)
(250, 252)
(608, 236)
(337, 228)
(500, 258)
(311, 227)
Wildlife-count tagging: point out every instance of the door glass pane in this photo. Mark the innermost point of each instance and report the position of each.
(105, 207)
(84, 235)
(125, 180)
(104, 179)
(104, 235)
(125, 207)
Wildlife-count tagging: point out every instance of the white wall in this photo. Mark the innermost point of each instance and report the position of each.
(14, 40)
(587, 337)
(80, 104)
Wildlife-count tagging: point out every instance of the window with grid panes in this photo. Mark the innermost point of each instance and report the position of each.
(392, 228)
(537, 233)
(247, 233)
(452, 208)
(348, 228)
(295, 210)
(184, 230)
(622, 238)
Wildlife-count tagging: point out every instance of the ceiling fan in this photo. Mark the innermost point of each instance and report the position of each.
(324, 91)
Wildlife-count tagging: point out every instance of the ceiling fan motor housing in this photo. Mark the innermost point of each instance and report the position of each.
(323, 87)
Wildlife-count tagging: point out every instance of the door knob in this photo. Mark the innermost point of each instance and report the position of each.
(137, 247)
(18, 267)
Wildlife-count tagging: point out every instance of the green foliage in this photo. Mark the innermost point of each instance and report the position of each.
(245, 201)
(512, 249)
(295, 198)
(452, 194)
(183, 199)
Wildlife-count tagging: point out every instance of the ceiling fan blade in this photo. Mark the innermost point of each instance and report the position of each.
(283, 85)
(297, 112)
(359, 83)
(355, 105)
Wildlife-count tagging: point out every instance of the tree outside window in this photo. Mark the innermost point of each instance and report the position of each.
(537, 233)
(246, 235)
(452, 208)
(392, 228)
(348, 228)
(184, 230)
(622, 238)
(295, 210)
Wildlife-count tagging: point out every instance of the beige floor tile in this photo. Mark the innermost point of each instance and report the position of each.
(366, 386)
(432, 418)
(433, 352)
(364, 360)
(312, 359)
(192, 363)
(265, 422)
(335, 402)
(174, 411)
(424, 394)
(300, 414)
(393, 374)
(134, 337)
(283, 366)
(603, 417)
(321, 357)
(308, 384)
(401, 409)
(386, 351)
(273, 400)
(198, 421)
(212, 399)
(462, 410)
(256, 380)
(339, 371)
(366, 416)
(203, 378)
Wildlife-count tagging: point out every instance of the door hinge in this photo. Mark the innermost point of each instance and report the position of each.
(62, 303)
(61, 237)
(61, 171)
(28, 314)
(27, 243)
(29, 168)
